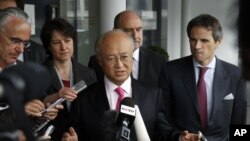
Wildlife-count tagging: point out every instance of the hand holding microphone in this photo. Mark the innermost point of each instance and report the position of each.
(78, 87)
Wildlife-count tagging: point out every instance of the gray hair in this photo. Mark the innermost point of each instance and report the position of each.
(6, 13)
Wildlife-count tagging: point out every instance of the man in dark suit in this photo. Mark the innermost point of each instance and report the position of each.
(146, 63)
(35, 52)
(114, 53)
(224, 102)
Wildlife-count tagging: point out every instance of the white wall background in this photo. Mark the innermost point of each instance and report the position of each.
(181, 11)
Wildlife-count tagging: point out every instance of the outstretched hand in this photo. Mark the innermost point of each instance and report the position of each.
(187, 136)
(70, 135)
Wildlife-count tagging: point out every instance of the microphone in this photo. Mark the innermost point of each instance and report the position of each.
(21, 83)
(125, 119)
(109, 125)
(33, 79)
(140, 128)
(78, 87)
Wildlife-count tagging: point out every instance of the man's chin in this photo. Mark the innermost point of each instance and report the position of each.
(137, 45)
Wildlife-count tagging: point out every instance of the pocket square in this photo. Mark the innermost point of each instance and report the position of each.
(229, 97)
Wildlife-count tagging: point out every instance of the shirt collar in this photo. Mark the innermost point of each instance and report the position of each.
(210, 65)
(111, 86)
(136, 54)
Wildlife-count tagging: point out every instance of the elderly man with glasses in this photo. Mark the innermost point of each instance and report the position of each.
(15, 33)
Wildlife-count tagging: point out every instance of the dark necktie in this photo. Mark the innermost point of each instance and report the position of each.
(202, 96)
(120, 93)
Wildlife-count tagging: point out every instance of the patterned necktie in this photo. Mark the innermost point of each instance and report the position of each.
(120, 93)
(202, 96)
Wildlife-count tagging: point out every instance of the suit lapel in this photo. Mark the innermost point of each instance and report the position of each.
(99, 99)
(136, 96)
(55, 80)
(220, 78)
(143, 62)
(27, 54)
(188, 78)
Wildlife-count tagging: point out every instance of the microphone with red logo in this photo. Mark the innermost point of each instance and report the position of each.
(125, 119)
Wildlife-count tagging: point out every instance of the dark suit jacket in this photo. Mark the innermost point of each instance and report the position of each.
(90, 106)
(178, 82)
(34, 53)
(150, 66)
(80, 72)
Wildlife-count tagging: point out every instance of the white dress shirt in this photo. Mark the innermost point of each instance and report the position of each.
(112, 95)
(135, 68)
(208, 77)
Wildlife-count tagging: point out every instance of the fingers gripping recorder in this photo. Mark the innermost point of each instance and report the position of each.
(79, 86)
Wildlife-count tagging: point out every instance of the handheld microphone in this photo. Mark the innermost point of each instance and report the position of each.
(125, 119)
(140, 128)
(78, 87)
(19, 86)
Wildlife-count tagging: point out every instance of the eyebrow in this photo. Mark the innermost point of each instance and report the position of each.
(133, 28)
(18, 39)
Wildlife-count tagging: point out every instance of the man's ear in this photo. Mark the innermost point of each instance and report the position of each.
(217, 43)
(99, 59)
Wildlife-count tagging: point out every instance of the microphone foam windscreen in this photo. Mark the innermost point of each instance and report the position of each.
(35, 76)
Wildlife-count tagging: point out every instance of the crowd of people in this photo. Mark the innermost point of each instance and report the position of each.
(188, 99)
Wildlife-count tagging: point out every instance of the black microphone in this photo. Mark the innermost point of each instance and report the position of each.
(20, 84)
(109, 125)
(125, 119)
(35, 76)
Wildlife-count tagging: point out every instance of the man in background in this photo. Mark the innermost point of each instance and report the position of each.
(35, 51)
(146, 63)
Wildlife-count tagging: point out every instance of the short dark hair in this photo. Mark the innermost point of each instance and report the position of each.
(60, 25)
(209, 22)
(116, 20)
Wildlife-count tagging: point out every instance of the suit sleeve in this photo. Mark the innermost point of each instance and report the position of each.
(240, 103)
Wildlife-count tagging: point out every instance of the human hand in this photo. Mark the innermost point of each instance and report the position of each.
(187, 136)
(70, 135)
(34, 107)
(51, 113)
(67, 93)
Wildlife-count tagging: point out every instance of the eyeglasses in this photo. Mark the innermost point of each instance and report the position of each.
(114, 59)
(17, 42)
